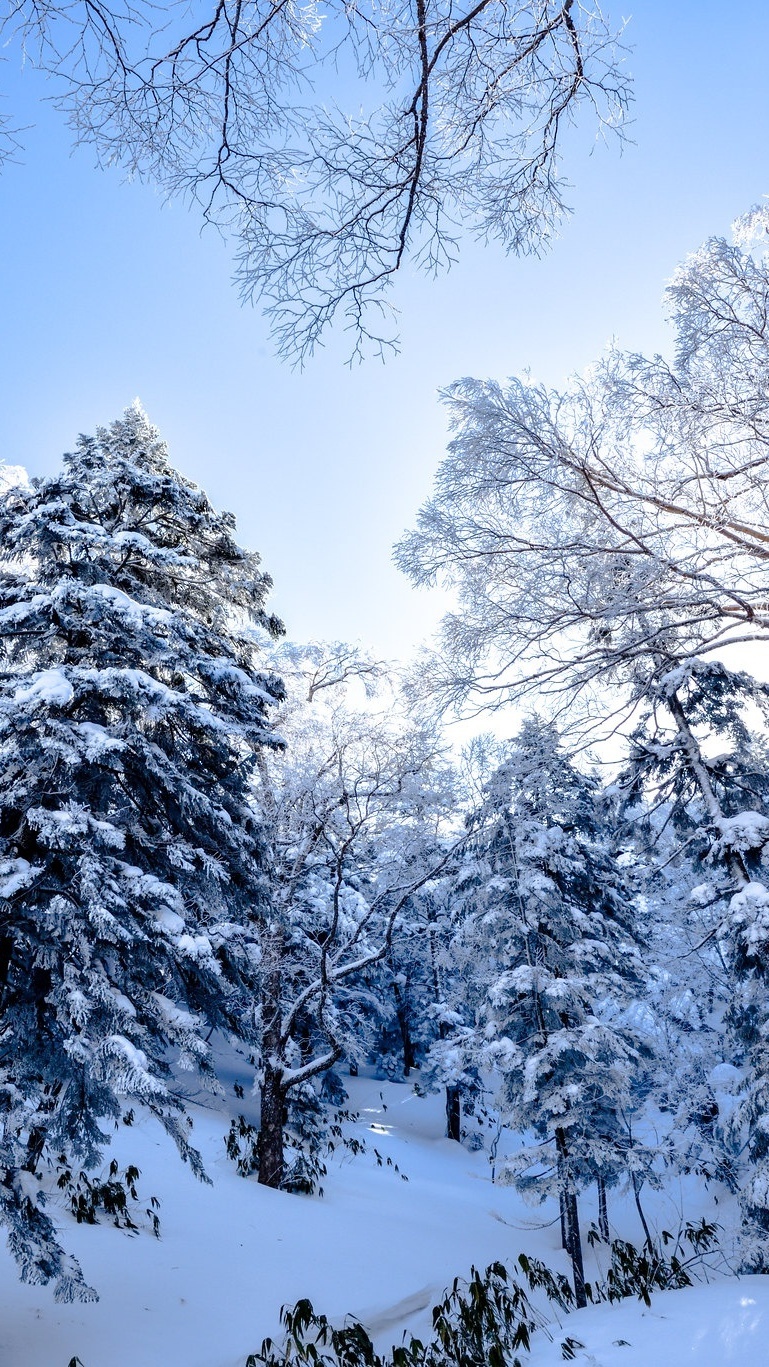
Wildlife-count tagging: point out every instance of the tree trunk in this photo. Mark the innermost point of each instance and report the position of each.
(575, 1249)
(603, 1211)
(571, 1212)
(270, 1147)
(564, 1231)
(272, 1093)
(453, 1113)
(641, 1216)
(401, 1011)
(562, 1202)
(734, 861)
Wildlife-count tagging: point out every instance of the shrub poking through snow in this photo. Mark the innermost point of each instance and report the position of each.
(482, 1322)
(486, 1320)
(115, 1195)
(639, 1272)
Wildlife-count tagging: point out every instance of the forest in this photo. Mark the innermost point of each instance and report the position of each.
(219, 843)
(384, 954)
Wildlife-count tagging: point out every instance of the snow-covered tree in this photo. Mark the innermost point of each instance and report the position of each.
(603, 537)
(705, 775)
(552, 937)
(354, 808)
(609, 547)
(132, 871)
(457, 122)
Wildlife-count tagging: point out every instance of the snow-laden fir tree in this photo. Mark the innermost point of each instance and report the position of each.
(553, 938)
(131, 859)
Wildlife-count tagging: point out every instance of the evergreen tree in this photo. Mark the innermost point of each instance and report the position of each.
(553, 925)
(131, 859)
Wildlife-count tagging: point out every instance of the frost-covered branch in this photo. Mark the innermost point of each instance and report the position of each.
(454, 122)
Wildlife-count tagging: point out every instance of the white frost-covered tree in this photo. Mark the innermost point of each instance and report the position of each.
(549, 929)
(609, 547)
(131, 860)
(355, 807)
(336, 143)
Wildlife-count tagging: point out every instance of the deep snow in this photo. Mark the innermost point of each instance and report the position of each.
(375, 1246)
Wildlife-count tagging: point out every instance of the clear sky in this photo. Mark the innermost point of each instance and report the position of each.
(107, 294)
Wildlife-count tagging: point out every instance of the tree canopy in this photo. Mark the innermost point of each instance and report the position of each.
(334, 143)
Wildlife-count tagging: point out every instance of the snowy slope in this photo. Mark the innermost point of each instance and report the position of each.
(721, 1325)
(379, 1247)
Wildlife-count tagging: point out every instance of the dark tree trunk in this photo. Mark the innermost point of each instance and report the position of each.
(401, 1011)
(562, 1202)
(272, 1094)
(564, 1231)
(642, 1217)
(304, 1040)
(273, 1102)
(453, 1113)
(575, 1250)
(603, 1211)
(571, 1212)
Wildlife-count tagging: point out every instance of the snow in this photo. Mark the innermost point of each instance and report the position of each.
(49, 686)
(13, 477)
(749, 910)
(15, 874)
(704, 1326)
(97, 740)
(746, 831)
(376, 1246)
(134, 614)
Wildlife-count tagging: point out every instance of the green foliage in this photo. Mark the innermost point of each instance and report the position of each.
(540, 1278)
(486, 1320)
(241, 1143)
(387, 1161)
(482, 1322)
(639, 1272)
(569, 1349)
(116, 1195)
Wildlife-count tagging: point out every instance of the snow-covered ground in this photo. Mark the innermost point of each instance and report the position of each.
(725, 1324)
(375, 1246)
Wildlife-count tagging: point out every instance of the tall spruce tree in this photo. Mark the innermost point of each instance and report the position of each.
(131, 858)
(553, 932)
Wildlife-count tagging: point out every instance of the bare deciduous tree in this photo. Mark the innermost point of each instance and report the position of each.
(607, 533)
(454, 120)
(354, 814)
(606, 541)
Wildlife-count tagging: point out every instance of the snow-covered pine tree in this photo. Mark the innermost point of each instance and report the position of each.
(131, 857)
(553, 926)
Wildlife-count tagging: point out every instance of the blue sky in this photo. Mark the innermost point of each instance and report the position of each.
(108, 294)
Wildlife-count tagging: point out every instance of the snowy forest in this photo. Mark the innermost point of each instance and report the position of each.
(238, 867)
(372, 1008)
